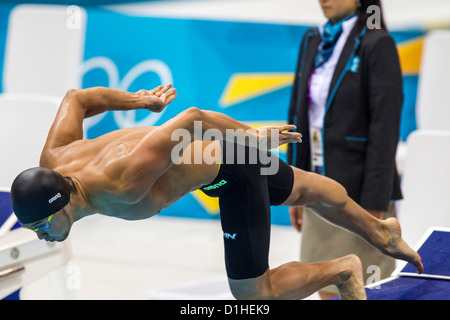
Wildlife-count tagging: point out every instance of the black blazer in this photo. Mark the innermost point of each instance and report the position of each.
(362, 117)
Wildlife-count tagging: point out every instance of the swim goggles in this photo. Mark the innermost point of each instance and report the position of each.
(44, 226)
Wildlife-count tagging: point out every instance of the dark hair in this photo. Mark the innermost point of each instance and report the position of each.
(363, 15)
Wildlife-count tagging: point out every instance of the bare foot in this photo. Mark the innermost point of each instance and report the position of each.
(351, 287)
(397, 248)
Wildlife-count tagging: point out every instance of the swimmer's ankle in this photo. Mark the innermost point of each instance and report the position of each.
(350, 264)
(391, 235)
(351, 283)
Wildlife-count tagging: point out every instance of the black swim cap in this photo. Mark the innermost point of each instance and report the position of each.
(38, 193)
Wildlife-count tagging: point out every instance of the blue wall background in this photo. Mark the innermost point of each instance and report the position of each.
(199, 57)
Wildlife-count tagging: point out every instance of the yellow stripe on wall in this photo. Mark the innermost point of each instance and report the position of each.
(210, 204)
(410, 53)
(245, 86)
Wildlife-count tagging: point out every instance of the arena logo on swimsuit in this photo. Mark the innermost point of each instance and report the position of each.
(215, 186)
(230, 236)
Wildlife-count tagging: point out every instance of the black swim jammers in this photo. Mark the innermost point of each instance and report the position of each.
(245, 196)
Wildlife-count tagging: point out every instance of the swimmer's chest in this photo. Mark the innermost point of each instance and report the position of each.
(146, 208)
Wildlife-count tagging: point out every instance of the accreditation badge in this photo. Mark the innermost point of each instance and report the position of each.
(316, 150)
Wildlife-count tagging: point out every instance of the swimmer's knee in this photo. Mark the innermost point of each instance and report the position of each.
(251, 289)
(240, 293)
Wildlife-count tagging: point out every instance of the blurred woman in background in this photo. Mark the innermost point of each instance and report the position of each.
(346, 102)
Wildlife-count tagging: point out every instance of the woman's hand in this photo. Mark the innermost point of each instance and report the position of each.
(296, 216)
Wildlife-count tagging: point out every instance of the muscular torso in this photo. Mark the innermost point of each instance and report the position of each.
(99, 166)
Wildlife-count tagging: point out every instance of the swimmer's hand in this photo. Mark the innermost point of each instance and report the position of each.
(274, 136)
(157, 99)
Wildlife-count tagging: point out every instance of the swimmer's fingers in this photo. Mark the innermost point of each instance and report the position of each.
(158, 98)
(287, 127)
(153, 91)
(162, 89)
(158, 91)
(274, 136)
(290, 137)
(166, 93)
(169, 96)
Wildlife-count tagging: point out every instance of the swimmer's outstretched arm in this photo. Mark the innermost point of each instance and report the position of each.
(100, 99)
(193, 123)
(80, 104)
(155, 150)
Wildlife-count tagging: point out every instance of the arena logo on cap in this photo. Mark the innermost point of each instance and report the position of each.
(56, 196)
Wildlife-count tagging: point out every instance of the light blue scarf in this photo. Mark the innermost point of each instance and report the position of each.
(330, 36)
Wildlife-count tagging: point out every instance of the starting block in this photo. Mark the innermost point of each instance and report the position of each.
(433, 284)
(23, 257)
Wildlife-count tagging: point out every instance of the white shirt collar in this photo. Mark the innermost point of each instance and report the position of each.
(349, 24)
